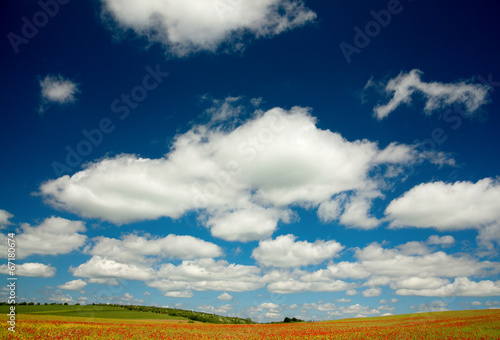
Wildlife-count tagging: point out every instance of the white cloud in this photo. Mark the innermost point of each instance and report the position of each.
(224, 110)
(410, 269)
(257, 101)
(341, 270)
(185, 27)
(83, 300)
(266, 310)
(179, 294)
(56, 89)
(396, 153)
(419, 283)
(462, 286)
(246, 180)
(134, 248)
(329, 211)
(437, 95)
(446, 240)
(59, 297)
(285, 252)
(271, 306)
(455, 206)
(400, 265)
(109, 282)
(413, 248)
(225, 297)
(247, 224)
(488, 235)
(207, 274)
(392, 263)
(439, 158)
(357, 212)
(101, 268)
(53, 236)
(476, 303)
(77, 285)
(435, 306)
(4, 217)
(130, 299)
(128, 296)
(322, 307)
(272, 315)
(297, 286)
(106, 296)
(372, 292)
(444, 206)
(215, 310)
(31, 269)
(357, 310)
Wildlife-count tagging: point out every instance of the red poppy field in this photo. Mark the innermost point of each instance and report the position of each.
(482, 324)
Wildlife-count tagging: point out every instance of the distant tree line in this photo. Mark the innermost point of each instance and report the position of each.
(188, 314)
(288, 320)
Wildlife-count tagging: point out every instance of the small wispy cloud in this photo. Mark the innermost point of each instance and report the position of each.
(225, 297)
(437, 95)
(76, 285)
(224, 110)
(5, 216)
(57, 90)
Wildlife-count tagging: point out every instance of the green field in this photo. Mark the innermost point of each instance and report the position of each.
(100, 312)
(124, 312)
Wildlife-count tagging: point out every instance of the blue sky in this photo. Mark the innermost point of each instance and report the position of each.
(310, 159)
